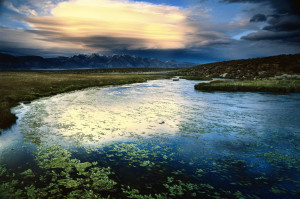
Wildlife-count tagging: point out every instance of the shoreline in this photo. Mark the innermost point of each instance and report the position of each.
(281, 86)
(20, 86)
(17, 87)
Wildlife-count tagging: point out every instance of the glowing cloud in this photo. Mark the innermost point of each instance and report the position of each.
(132, 25)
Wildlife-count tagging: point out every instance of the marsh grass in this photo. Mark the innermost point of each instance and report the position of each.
(292, 86)
(16, 87)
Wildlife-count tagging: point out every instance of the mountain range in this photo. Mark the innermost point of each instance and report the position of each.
(84, 61)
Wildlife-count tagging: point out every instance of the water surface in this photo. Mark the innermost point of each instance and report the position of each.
(160, 139)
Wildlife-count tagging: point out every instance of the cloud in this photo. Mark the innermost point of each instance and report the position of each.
(23, 9)
(101, 25)
(280, 6)
(158, 26)
(288, 36)
(60, 27)
(258, 18)
(30, 7)
(283, 23)
(24, 42)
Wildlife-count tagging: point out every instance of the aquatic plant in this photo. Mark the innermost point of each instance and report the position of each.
(63, 176)
(2, 170)
(28, 174)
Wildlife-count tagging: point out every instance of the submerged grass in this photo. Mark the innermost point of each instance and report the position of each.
(291, 86)
(16, 87)
(118, 171)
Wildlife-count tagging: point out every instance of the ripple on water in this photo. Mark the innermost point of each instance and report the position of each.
(183, 143)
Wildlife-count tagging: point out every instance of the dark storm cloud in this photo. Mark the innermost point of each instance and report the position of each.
(281, 6)
(49, 34)
(282, 24)
(96, 42)
(108, 43)
(288, 36)
(258, 18)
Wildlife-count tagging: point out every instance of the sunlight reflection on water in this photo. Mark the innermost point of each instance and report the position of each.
(96, 116)
(157, 108)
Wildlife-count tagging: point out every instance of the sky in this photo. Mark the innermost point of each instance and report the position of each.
(198, 31)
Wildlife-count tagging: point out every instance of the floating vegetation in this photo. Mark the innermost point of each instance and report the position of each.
(290, 160)
(211, 145)
(28, 174)
(58, 176)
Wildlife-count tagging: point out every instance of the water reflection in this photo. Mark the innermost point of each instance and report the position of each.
(218, 143)
(9, 140)
(157, 108)
(97, 116)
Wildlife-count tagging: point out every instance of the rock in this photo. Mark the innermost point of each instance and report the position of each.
(224, 75)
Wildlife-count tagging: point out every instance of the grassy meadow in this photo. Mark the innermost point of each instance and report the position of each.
(16, 87)
(292, 86)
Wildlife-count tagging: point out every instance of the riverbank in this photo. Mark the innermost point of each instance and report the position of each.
(16, 87)
(291, 86)
(246, 69)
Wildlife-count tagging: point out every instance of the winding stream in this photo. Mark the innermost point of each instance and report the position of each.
(159, 139)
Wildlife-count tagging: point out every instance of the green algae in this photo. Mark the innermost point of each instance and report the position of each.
(173, 189)
(290, 160)
(3, 170)
(28, 174)
(135, 193)
(62, 176)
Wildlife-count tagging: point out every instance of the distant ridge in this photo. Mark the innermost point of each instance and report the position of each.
(84, 61)
(256, 68)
